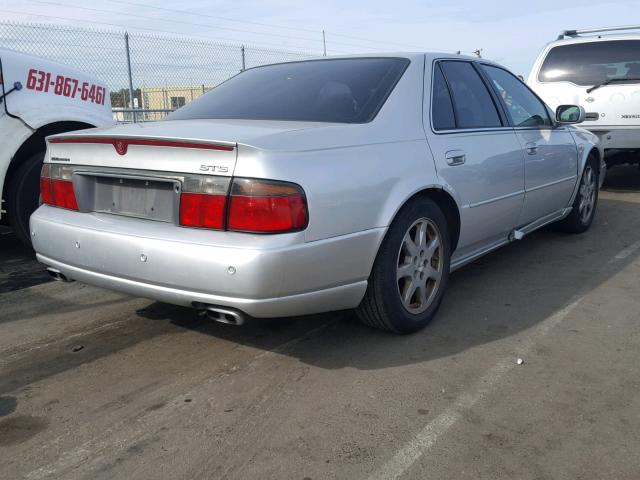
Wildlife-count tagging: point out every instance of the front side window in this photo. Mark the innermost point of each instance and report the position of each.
(523, 107)
(473, 105)
(350, 90)
(592, 63)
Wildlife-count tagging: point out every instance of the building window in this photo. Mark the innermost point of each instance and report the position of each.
(177, 102)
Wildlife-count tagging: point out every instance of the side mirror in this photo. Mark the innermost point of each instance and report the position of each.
(566, 114)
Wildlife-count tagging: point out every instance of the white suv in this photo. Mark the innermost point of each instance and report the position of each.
(602, 74)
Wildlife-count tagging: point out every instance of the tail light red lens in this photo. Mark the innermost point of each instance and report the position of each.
(56, 187)
(202, 210)
(63, 194)
(261, 206)
(203, 201)
(46, 194)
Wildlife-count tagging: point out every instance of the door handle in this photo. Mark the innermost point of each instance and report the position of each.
(455, 157)
(532, 148)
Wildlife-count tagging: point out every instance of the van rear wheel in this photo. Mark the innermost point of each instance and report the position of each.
(23, 195)
(411, 271)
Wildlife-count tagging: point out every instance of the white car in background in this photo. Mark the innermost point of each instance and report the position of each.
(602, 74)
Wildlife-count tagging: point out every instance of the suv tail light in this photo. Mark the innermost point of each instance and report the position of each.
(255, 206)
(56, 187)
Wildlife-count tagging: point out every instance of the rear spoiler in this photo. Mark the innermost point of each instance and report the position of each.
(575, 33)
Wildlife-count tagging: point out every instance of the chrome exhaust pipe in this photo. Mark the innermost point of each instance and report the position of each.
(58, 275)
(223, 315)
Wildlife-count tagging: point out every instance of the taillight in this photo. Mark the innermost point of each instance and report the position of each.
(255, 206)
(203, 201)
(56, 187)
(263, 206)
(45, 185)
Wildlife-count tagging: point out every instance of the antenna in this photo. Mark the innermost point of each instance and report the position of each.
(324, 43)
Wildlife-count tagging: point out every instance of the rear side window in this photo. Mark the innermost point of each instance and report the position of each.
(339, 90)
(524, 108)
(442, 109)
(592, 63)
(472, 103)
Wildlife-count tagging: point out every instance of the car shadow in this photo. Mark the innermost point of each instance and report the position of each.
(622, 179)
(500, 295)
(18, 266)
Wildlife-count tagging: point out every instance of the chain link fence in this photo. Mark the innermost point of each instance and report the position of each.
(165, 73)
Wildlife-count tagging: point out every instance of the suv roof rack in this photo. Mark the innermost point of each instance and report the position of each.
(575, 33)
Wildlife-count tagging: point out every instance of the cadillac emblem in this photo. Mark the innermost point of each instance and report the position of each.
(120, 146)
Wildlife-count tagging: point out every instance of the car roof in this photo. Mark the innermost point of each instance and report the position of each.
(428, 55)
(595, 38)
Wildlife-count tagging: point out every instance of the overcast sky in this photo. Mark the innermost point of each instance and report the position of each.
(508, 31)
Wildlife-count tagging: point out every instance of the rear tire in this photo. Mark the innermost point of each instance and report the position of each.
(411, 271)
(23, 195)
(586, 201)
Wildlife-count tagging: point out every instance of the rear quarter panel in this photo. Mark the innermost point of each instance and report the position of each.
(348, 189)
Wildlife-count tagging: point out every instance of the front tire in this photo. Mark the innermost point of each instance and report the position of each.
(411, 272)
(584, 205)
(23, 195)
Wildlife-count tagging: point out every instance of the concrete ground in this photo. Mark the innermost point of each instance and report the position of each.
(95, 384)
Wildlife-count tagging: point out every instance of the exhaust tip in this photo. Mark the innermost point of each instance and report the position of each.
(58, 275)
(223, 315)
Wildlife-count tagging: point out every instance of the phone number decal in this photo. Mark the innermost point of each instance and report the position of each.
(65, 86)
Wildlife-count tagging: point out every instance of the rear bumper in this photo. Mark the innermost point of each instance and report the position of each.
(273, 276)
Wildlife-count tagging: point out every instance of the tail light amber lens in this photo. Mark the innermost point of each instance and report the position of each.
(262, 206)
(56, 186)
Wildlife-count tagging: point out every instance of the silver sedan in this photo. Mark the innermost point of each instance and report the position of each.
(336, 183)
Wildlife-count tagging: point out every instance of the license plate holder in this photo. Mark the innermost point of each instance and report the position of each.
(134, 197)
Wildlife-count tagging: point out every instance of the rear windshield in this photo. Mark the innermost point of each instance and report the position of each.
(588, 64)
(337, 90)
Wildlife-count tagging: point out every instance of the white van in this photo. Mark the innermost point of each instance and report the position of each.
(602, 74)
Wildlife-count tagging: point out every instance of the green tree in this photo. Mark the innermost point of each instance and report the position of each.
(121, 98)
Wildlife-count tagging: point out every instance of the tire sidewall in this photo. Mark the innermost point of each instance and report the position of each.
(402, 320)
(23, 195)
(591, 162)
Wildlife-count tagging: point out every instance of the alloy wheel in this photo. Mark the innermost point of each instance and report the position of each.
(420, 265)
(587, 194)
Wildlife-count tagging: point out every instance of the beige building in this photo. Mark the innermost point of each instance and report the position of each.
(170, 98)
